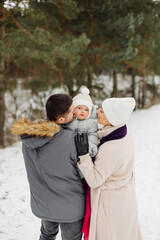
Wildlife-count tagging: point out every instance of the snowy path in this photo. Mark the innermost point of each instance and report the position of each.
(18, 223)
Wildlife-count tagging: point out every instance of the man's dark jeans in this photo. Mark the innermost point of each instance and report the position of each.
(69, 231)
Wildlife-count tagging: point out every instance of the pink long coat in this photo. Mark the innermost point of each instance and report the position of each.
(112, 180)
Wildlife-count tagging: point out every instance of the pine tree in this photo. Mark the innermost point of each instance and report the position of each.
(147, 16)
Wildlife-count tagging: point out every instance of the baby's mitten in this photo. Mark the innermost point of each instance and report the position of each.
(93, 149)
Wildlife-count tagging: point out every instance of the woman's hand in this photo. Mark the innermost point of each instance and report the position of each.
(81, 141)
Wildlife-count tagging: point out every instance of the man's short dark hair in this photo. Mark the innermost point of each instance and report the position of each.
(58, 105)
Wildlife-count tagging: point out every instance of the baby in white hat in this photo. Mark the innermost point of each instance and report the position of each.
(84, 120)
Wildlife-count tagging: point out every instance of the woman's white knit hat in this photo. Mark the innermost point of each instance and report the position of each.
(83, 98)
(118, 110)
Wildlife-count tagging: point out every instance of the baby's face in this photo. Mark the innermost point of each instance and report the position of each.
(81, 112)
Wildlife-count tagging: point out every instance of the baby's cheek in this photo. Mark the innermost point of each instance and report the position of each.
(75, 114)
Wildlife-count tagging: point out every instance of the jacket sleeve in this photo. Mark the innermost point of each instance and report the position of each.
(104, 166)
(93, 138)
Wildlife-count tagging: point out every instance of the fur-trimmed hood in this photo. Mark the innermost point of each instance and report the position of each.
(39, 128)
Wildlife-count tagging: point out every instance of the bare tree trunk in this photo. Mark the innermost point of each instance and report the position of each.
(143, 91)
(154, 99)
(143, 78)
(139, 95)
(115, 85)
(2, 79)
(133, 85)
(89, 82)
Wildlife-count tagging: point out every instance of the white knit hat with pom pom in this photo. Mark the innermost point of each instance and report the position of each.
(83, 98)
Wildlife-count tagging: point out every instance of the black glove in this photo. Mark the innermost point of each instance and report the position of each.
(81, 141)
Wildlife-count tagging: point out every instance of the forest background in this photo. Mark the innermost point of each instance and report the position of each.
(112, 47)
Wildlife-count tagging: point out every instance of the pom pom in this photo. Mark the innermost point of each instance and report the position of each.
(85, 90)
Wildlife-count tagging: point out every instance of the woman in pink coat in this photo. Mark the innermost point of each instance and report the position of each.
(111, 177)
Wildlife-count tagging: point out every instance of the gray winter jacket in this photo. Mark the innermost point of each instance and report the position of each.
(89, 126)
(56, 189)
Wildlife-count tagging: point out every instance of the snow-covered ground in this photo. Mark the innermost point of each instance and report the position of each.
(18, 223)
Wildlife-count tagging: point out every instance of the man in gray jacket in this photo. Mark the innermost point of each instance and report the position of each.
(57, 195)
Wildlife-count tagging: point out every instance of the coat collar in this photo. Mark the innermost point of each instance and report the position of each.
(107, 130)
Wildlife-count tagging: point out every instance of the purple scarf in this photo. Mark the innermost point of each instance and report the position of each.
(115, 135)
